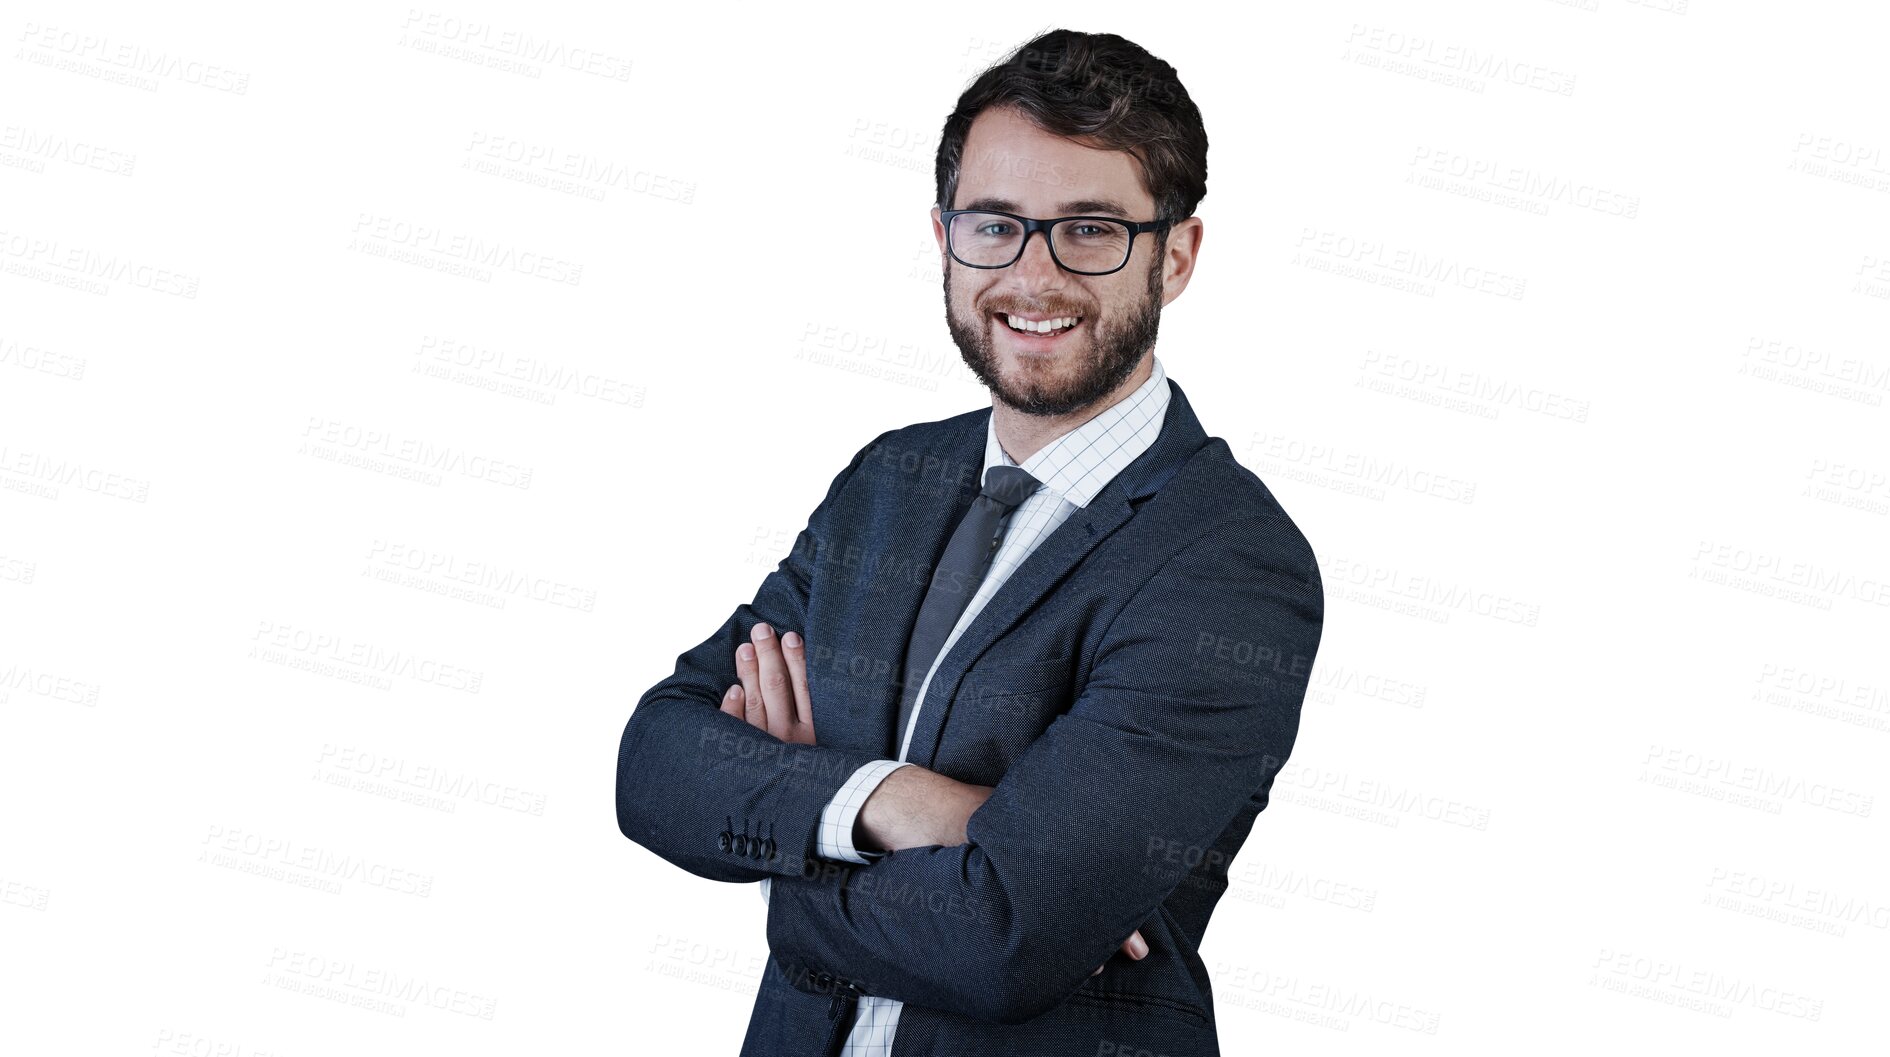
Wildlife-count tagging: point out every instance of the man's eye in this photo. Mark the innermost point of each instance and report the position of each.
(995, 229)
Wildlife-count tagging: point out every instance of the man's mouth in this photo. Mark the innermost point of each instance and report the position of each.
(1043, 331)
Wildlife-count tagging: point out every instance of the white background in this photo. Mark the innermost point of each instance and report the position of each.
(1557, 328)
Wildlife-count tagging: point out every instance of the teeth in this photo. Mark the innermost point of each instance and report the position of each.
(1045, 327)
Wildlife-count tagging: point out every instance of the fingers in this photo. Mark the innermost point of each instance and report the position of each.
(1135, 947)
(797, 675)
(774, 688)
(748, 668)
(777, 690)
(773, 693)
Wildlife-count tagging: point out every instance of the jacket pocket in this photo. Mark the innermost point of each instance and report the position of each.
(1139, 1003)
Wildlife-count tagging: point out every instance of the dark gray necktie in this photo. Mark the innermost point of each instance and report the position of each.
(962, 568)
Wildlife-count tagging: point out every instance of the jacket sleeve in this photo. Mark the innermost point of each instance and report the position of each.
(709, 792)
(1190, 709)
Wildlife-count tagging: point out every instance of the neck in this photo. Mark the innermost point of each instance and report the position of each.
(1022, 436)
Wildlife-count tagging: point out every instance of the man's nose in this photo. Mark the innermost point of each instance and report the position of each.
(1037, 263)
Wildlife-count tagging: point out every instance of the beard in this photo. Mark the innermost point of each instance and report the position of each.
(1111, 354)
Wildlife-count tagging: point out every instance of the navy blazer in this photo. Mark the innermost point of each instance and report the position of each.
(1130, 691)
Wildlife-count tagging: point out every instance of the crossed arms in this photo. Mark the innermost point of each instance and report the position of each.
(1170, 737)
(906, 806)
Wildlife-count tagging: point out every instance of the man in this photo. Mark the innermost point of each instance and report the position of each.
(1054, 651)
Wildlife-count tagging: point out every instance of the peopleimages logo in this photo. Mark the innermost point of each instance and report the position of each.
(486, 44)
(135, 64)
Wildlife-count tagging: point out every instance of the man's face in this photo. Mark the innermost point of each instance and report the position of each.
(1011, 165)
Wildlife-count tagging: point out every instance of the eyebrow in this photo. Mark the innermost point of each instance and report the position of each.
(1080, 207)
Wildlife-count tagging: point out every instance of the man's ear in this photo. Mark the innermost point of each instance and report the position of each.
(1180, 255)
(938, 231)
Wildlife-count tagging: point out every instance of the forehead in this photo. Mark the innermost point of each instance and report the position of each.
(1011, 164)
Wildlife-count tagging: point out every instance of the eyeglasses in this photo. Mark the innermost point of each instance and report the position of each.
(983, 238)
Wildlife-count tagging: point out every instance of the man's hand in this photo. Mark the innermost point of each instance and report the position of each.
(912, 808)
(773, 692)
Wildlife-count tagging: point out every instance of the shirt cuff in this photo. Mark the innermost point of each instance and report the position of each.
(764, 888)
(836, 820)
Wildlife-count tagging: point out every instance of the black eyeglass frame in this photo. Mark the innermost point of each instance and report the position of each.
(1031, 226)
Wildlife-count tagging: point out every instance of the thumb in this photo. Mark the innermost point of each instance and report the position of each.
(1135, 945)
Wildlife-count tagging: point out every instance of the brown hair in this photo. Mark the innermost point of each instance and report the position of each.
(1103, 88)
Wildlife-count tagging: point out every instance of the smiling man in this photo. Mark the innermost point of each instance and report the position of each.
(1014, 699)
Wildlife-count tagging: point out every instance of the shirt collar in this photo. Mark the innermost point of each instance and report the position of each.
(1079, 463)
